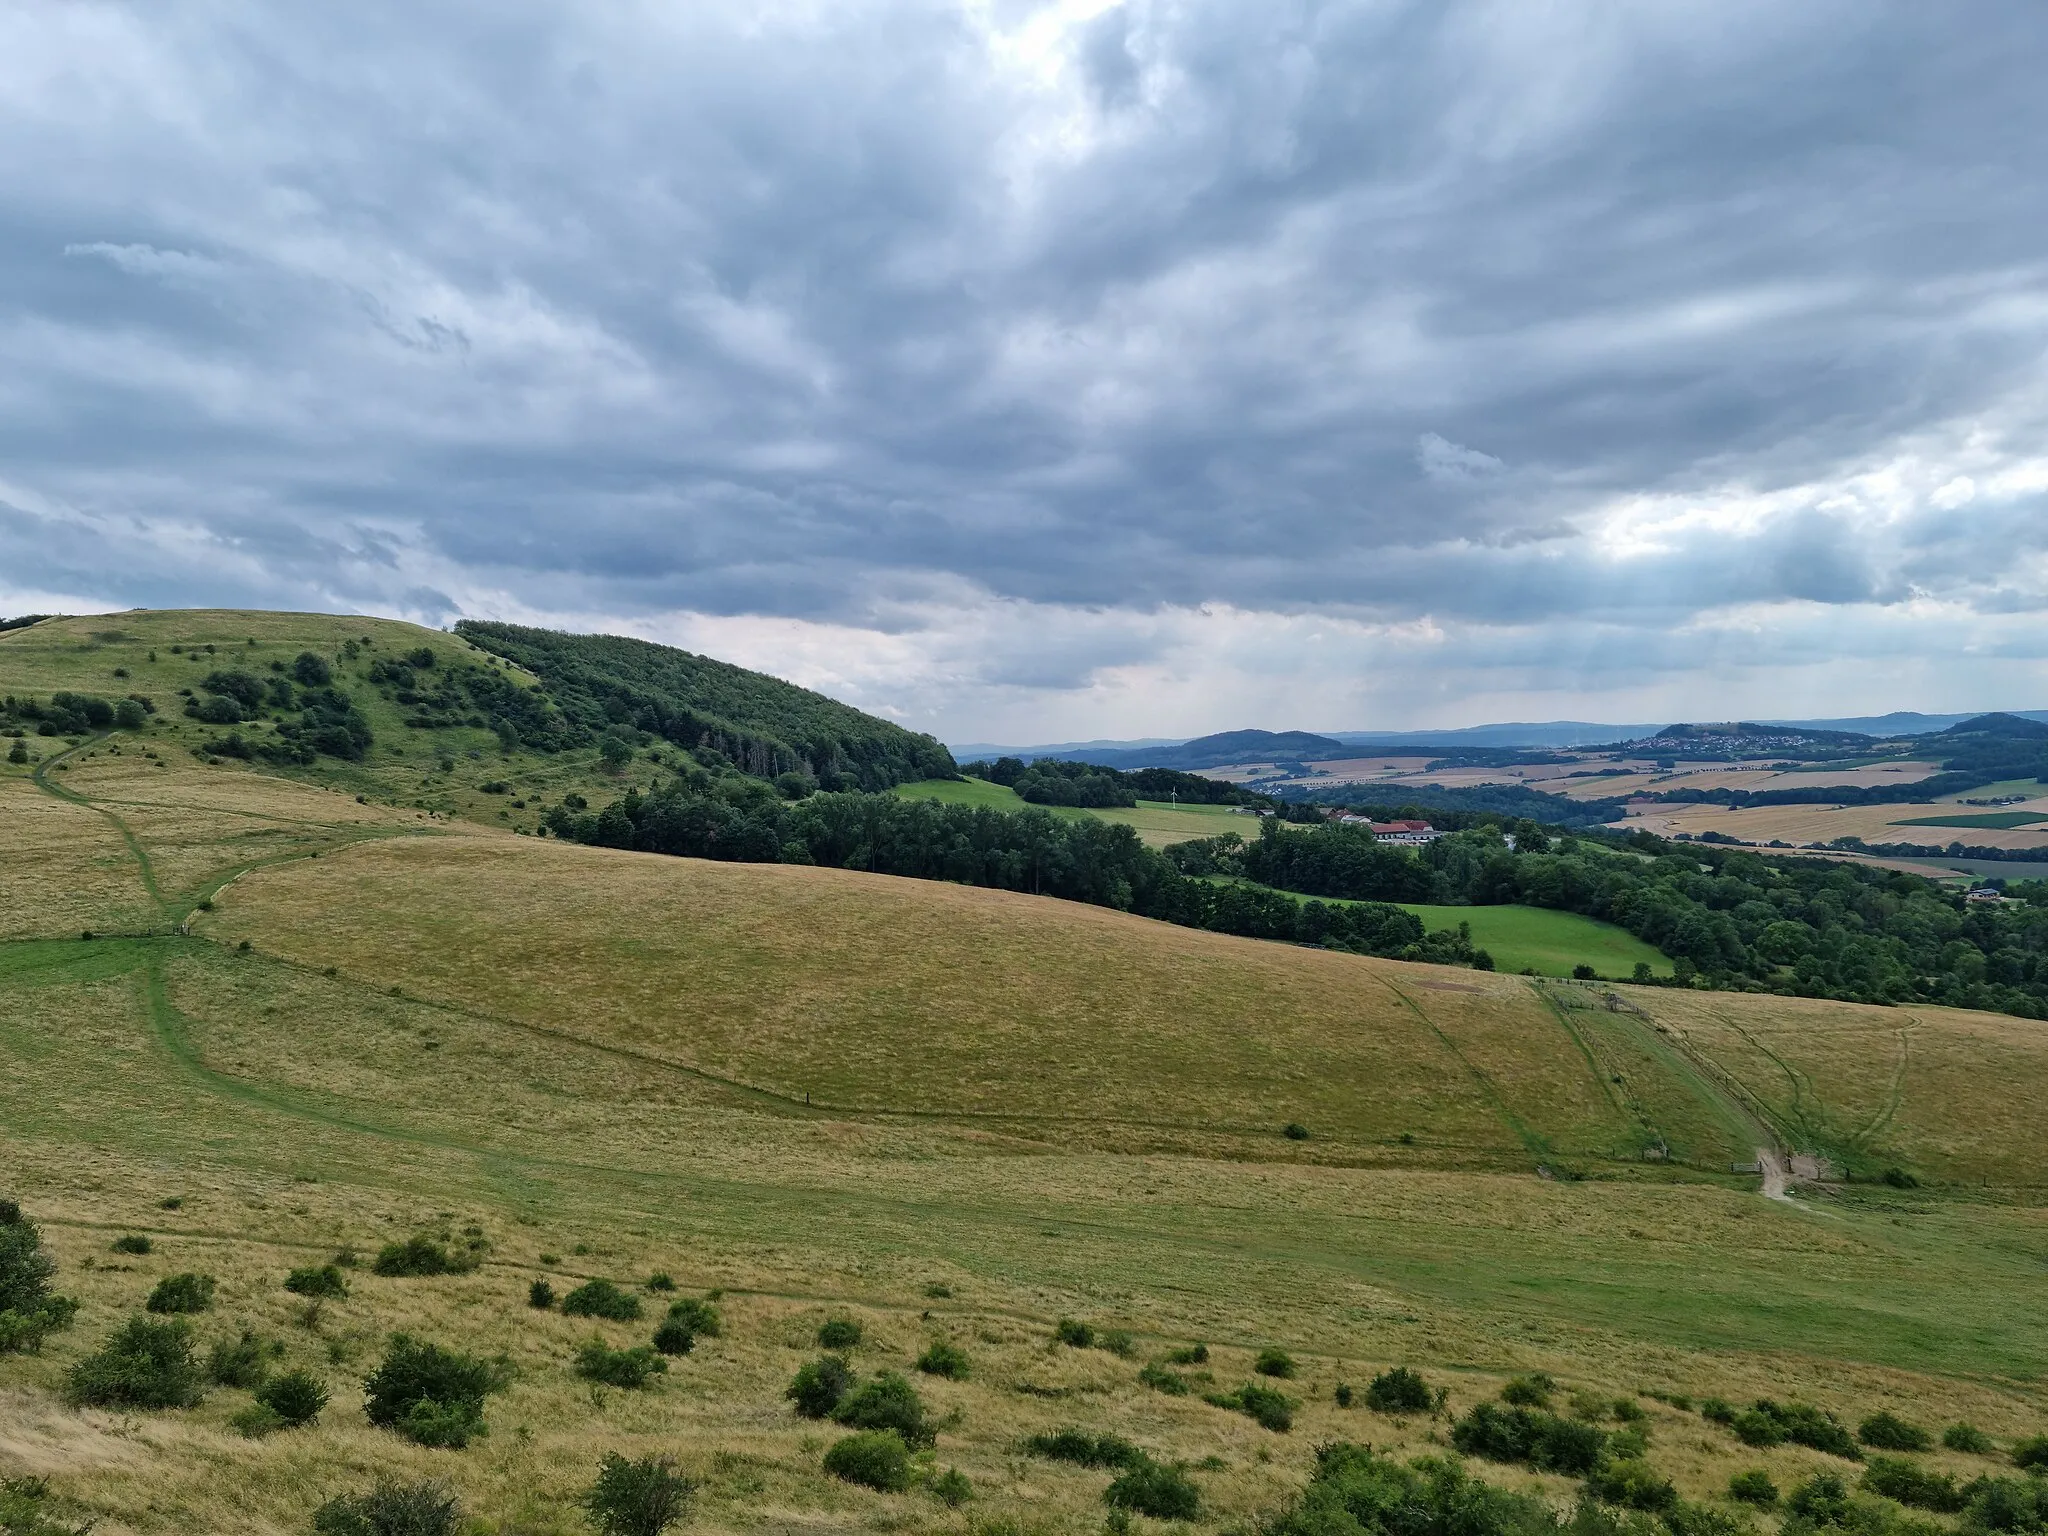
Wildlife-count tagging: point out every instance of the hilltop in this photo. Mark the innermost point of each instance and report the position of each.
(317, 1020)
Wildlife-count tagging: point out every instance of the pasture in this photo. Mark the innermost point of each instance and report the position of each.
(311, 1023)
(1549, 943)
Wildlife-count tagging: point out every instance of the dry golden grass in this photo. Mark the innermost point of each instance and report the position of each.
(1821, 824)
(63, 868)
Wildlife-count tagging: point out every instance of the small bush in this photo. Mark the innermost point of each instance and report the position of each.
(1683, 1519)
(2006, 1504)
(674, 1337)
(598, 1361)
(419, 1256)
(131, 1243)
(951, 1488)
(1194, 1354)
(1293, 1130)
(942, 1359)
(1821, 1499)
(540, 1296)
(1275, 1362)
(637, 1498)
(1160, 1379)
(601, 1298)
(1083, 1449)
(697, 1316)
(1966, 1437)
(1893, 1477)
(296, 1397)
(1543, 1440)
(661, 1280)
(819, 1388)
(22, 1512)
(1629, 1411)
(2031, 1453)
(1264, 1406)
(1343, 1394)
(391, 1509)
(1073, 1334)
(1633, 1484)
(319, 1280)
(874, 1459)
(1768, 1423)
(237, 1362)
(888, 1402)
(1529, 1391)
(1753, 1487)
(429, 1394)
(1888, 1432)
(1718, 1411)
(1149, 1488)
(1118, 1342)
(147, 1364)
(181, 1294)
(839, 1333)
(1399, 1391)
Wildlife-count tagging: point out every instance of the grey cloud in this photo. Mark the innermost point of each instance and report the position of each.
(1358, 308)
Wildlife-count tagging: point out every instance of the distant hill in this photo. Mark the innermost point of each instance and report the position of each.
(1217, 751)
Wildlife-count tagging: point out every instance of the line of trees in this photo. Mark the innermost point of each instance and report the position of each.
(736, 818)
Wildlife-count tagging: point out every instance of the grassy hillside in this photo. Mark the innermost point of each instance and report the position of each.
(1017, 1110)
(1547, 942)
(1158, 822)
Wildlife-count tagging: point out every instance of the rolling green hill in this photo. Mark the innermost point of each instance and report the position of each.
(316, 1019)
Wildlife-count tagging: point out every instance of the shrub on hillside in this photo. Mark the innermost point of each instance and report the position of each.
(146, 1364)
(421, 1255)
(637, 1498)
(1753, 1487)
(818, 1389)
(1821, 1500)
(131, 1243)
(951, 1488)
(2006, 1504)
(1717, 1411)
(942, 1359)
(22, 1511)
(839, 1333)
(540, 1296)
(1893, 1477)
(601, 1298)
(391, 1509)
(598, 1361)
(432, 1395)
(673, 1337)
(1531, 1391)
(1357, 1492)
(1193, 1354)
(184, 1293)
(1275, 1362)
(874, 1459)
(1263, 1405)
(1632, 1483)
(1888, 1432)
(1399, 1391)
(1767, 1423)
(28, 1308)
(237, 1362)
(2031, 1453)
(661, 1280)
(1156, 1376)
(296, 1397)
(888, 1402)
(697, 1316)
(1073, 1334)
(318, 1280)
(1083, 1449)
(1966, 1437)
(1543, 1440)
(1118, 1341)
(1147, 1487)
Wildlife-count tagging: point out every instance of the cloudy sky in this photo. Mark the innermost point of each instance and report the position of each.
(1040, 371)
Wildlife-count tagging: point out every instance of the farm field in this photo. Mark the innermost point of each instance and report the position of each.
(1548, 942)
(311, 1022)
(1799, 824)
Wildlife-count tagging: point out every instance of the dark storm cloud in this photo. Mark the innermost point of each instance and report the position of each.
(823, 311)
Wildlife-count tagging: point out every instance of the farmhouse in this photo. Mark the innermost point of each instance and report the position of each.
(1405, 834)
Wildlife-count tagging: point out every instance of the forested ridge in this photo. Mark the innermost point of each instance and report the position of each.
(764, 726)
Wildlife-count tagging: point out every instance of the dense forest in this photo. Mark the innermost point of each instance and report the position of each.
(732, 817)
(1054, 781)
(762, 725)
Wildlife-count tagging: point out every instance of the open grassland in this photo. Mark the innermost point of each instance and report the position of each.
(1157, 822)
(1017, 1110)
(1549, 943)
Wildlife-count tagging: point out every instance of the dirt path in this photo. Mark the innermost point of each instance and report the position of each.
(1775, 1178)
